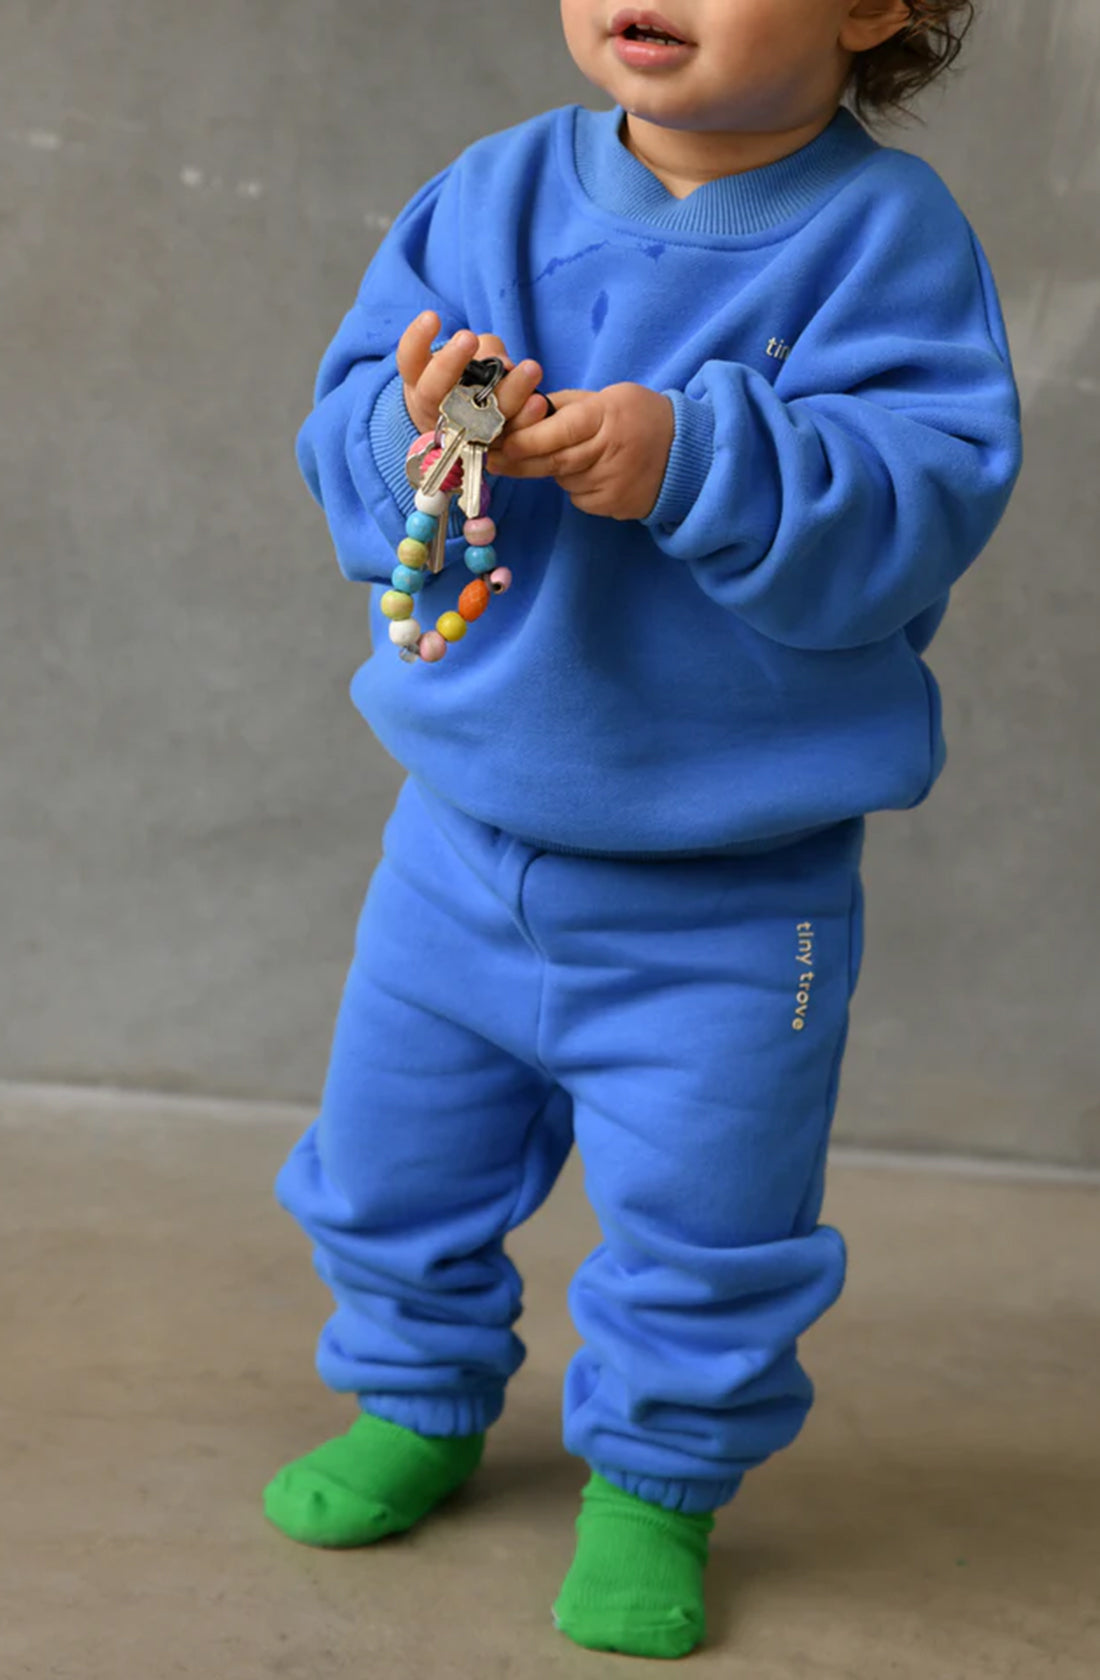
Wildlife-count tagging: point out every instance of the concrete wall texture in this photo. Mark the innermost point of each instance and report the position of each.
(189, 806)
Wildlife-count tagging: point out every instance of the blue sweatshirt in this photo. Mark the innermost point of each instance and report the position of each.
(745, 664)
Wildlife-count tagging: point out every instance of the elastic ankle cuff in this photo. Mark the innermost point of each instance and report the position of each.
(450, 1415)
(692, 1498)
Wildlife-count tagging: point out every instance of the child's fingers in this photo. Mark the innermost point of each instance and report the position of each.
(517, 387)
(444, 369)
(536, 408)
(489, 344)
(429, 377)
(414, 351)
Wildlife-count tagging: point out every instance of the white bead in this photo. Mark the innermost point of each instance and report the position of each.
(433, 504)
(405, 632)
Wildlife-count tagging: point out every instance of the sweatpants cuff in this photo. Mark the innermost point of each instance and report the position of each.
(692, 1498)
(450, 1415)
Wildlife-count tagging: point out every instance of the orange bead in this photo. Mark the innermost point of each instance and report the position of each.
(474, 600)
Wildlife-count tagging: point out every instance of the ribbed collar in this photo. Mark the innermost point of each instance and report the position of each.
(734, 204)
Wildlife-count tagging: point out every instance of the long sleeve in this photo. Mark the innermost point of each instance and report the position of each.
(352, 448)
(833, 508)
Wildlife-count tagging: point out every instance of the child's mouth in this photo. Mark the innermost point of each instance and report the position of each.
(645, 40)
(636, 33)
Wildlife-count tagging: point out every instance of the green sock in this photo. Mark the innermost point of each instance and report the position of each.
(378, 1479)
(636, 1584)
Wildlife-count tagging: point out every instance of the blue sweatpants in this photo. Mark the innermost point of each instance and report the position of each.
(684, 1023)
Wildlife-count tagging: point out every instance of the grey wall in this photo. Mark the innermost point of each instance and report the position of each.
(190, 808)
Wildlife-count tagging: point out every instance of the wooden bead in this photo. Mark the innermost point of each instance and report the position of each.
(404, 632)
(396, 604)
(474, 600)
(480, 560)
(432, 647)
(412, 553)
(452, 626)
(500, 581)
(407, 581)
(421, 527)
(435, 504)
(479, 533)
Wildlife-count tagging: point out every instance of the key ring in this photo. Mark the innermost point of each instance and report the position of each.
(486, 373)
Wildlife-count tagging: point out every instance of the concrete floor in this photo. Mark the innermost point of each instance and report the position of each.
(939, 1519)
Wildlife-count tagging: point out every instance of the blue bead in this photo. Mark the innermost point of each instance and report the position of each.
(421, 526)
(481, 560)
(408, 579)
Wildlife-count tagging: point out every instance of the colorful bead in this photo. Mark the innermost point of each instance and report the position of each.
(435, 504)
(479, 533)
(432, 646)
(500, 581)
(452, 626)
(421, 527)
(453, 478)
(404, 632)
(396, 604)
(413, 553)
(474, 600)
(405, 578)
(481, 559)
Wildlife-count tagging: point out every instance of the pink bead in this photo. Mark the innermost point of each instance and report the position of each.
(432, 647)
(424, 441)
(500, 581)
(453, 478)
(479, 533)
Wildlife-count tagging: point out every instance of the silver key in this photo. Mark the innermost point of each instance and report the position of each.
(489, 375)
(414, 464)
(437, 551)
(471, 422)
(474, 451)
(473, 472)
(437, 548)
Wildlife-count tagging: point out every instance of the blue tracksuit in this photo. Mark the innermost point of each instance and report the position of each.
(620, 894)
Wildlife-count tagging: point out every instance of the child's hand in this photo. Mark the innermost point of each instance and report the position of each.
(428, 378)
(607, 449)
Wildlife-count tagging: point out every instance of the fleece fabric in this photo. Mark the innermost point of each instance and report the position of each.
(745, 664)
(683, 1022)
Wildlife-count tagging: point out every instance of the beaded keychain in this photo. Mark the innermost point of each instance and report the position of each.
(425, 530)
(421, 529)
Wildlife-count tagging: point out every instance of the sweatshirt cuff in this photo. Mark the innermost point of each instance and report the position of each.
(689, 462)
(391, 434)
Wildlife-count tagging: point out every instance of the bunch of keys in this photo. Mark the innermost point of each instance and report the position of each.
(470, 421)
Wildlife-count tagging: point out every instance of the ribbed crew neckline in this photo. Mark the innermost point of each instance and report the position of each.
(752, 202)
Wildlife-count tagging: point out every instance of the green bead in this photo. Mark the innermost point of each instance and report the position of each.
(396, 604)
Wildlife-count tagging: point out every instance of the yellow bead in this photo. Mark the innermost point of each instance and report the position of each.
(396, 604)
(413, 553)
(452, 627)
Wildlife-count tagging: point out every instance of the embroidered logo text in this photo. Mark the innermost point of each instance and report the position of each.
(805, 961)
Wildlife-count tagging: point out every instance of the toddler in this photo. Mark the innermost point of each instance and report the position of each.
(619, 900)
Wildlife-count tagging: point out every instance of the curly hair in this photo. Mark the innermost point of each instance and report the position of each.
(886, 79)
